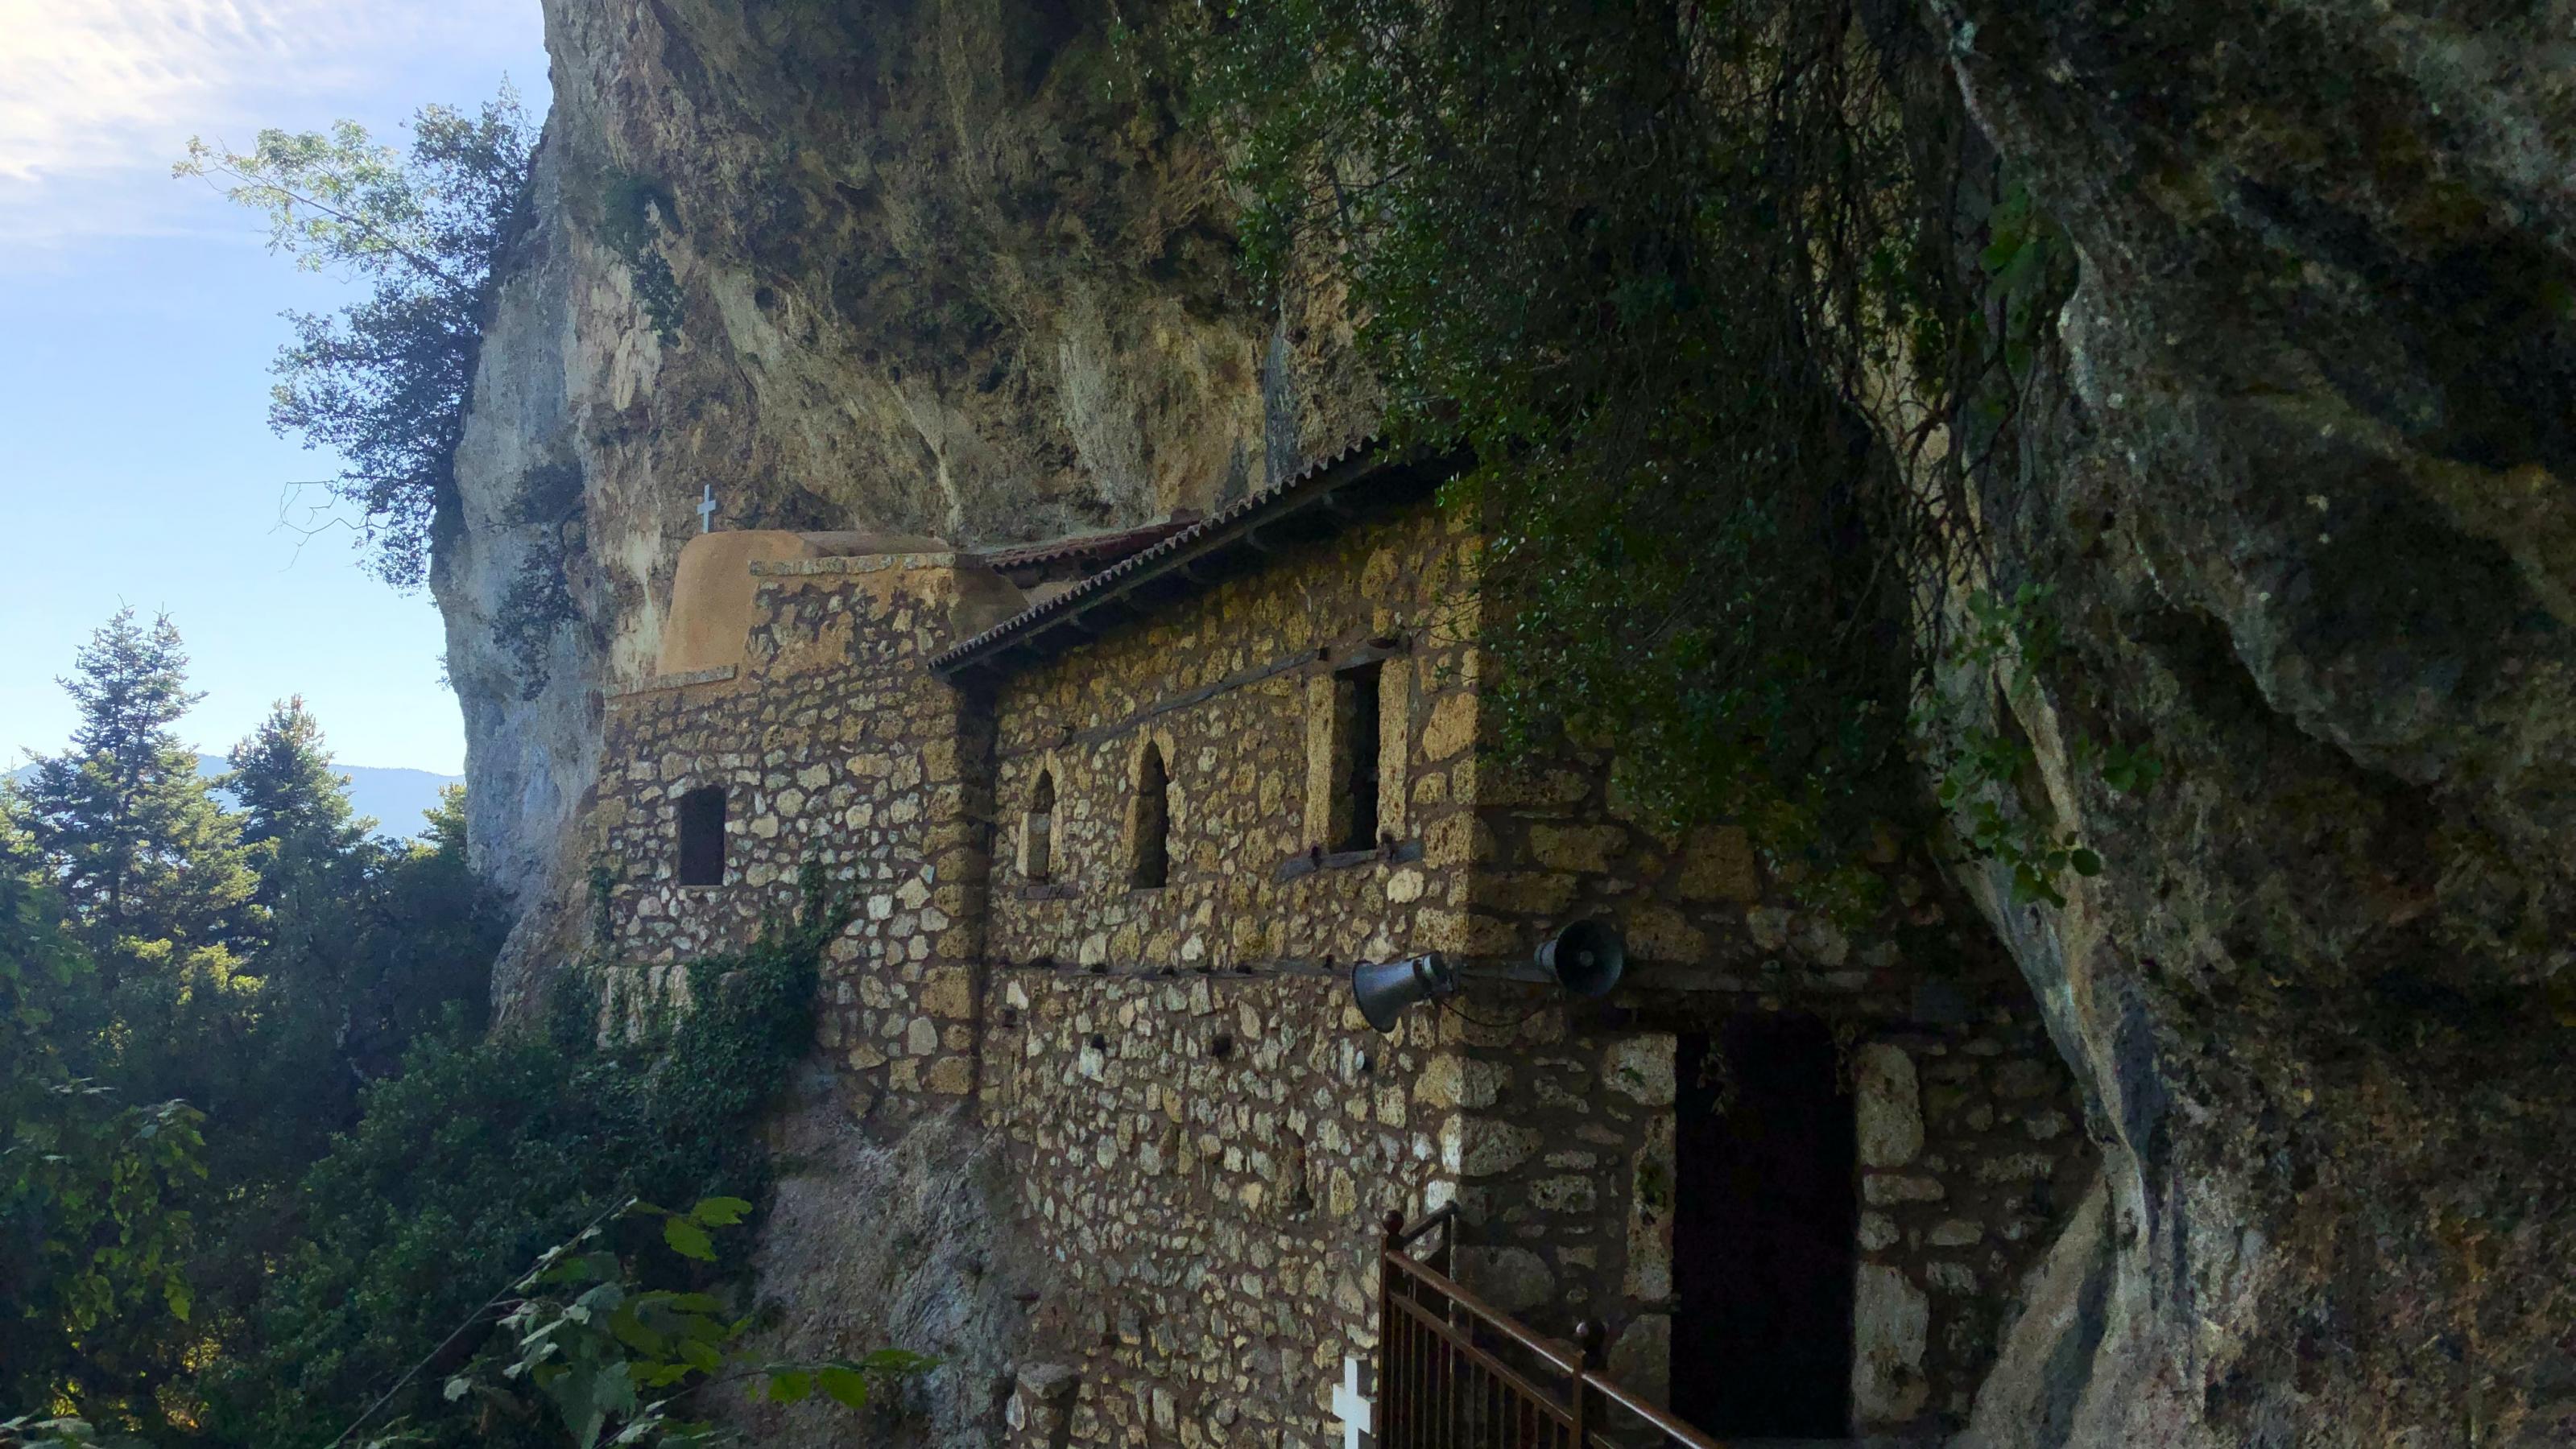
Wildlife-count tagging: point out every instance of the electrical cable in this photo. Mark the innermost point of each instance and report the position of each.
(1450, 1004)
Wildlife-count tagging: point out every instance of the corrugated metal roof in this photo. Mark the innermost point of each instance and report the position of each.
(1361, 460)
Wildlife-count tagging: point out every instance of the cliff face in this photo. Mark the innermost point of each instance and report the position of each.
(940, 268)
(2301, 483)
(2304, 492)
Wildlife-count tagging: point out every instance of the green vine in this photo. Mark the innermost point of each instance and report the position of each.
(1688, 281)
(601, 881)
(1985, 772)
(620, 1363)
(633, 214)
(1654, 1189)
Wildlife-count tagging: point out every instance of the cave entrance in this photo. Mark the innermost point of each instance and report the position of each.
(1766, 1217)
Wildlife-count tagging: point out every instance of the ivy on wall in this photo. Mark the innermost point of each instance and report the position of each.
(1732, 309)
(634, 211)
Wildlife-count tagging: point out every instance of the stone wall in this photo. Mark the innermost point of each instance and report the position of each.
(1204, 1160)
(1232, 691)
(1202, 1131)
(1560, 1134)
(1969, 1142)
(833, 745)
(1209, 1133)
(1959, 1208)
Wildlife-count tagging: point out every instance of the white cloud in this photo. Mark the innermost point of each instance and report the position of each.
(98, 97)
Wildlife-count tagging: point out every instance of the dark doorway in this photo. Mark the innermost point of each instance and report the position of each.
(1766, 1217)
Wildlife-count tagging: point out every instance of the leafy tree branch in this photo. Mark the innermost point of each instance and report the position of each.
(384, 382)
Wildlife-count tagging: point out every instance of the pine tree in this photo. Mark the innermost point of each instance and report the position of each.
(151, 865)
(18, 855)
(295, 808)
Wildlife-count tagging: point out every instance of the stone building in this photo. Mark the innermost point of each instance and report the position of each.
(1122, 812)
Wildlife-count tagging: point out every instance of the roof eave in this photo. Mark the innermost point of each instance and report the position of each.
(1309, 507)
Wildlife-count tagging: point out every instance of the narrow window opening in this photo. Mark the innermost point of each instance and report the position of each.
(1037, 830)
(702, 837)
(1153, 832)
(1357, 724)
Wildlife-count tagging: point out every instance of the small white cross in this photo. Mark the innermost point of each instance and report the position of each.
(707, 510)
(1352, 1405)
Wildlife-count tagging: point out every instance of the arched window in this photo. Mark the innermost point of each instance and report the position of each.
(702, 837)
(1037, 830)
(1150, 822)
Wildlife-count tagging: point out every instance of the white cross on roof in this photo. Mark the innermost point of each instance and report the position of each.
(707, 510)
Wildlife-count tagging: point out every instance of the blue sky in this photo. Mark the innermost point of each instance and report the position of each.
(140, 313)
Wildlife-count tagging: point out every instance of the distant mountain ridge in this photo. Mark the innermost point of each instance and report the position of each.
(394, 795)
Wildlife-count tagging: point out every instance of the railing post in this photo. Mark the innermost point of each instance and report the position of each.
(1587, 1354)
(1389, 1415)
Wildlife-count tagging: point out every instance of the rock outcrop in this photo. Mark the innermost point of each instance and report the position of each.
(943, 268)
(908, 1246)
(2305, 499)
(2301, 484)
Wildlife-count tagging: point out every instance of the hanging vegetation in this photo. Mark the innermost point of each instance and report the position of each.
(1684, 278)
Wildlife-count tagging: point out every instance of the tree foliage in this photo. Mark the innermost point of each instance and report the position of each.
(478, 1155)
(151, 864)
(384, 383)
(1659, 265)
(95, 1231)
(175, 1054)
(285, 788)
(581, 1340)
(240, 1207)
(620, 1363)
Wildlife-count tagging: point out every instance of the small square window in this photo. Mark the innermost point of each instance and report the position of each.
(702, 837)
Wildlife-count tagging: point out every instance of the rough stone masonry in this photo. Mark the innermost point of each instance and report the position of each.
(1109, 892)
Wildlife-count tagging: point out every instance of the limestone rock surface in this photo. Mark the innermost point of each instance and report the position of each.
(2302, 484)
(940, 268)
(872, 1246)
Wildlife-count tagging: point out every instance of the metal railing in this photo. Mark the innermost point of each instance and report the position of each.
(1454, 1372)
